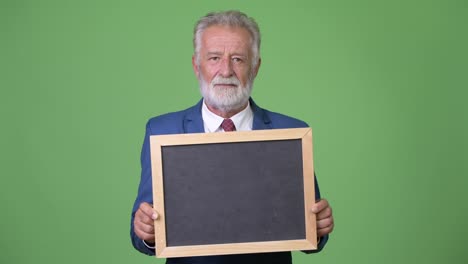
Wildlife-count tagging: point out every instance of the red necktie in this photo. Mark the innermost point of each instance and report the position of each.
(228, 125)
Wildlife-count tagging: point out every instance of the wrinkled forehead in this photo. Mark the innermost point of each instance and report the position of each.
(226, 36)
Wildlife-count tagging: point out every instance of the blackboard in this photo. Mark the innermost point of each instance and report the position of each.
(236, 192)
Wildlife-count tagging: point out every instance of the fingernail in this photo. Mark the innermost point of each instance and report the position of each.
(155, 216)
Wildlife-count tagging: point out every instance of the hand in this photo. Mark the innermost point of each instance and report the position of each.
(143, 222)
(324, 214)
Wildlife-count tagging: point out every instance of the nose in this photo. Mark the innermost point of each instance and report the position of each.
(226, 68)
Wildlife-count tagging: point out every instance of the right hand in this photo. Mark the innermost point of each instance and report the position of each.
(143, 222)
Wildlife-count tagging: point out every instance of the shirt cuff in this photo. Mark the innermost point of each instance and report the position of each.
(148, 246)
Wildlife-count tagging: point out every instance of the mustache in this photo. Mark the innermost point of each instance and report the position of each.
(221, 80)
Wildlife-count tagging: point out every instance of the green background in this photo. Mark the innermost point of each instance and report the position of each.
(382, 83)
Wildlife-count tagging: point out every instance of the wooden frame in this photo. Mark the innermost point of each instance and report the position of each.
(310, 238)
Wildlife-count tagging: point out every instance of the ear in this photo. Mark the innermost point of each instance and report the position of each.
(257, 67)
(194, 65)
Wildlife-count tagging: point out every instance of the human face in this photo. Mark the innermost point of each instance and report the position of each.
(224, 68)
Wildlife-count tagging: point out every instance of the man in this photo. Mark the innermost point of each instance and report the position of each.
(226, 61)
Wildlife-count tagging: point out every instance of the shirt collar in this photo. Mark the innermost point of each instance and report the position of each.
(242, 120)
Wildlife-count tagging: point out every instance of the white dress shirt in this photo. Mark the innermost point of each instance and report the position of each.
(242, 120)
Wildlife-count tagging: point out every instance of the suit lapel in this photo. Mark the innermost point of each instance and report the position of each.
(261, 120)
(193, 121)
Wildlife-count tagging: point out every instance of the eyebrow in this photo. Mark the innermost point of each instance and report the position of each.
(214, 53)
(221, 53)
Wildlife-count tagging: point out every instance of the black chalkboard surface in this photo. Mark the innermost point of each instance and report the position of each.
(236, 192)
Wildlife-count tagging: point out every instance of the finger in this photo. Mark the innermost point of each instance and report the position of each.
(144, 231)
(155, 215)
(324, 223)
(145, 236)
(148, 210)
(144, 228)
(325, 227)
(325, 213)
(319, 206)
(141, 216)
(324, 231)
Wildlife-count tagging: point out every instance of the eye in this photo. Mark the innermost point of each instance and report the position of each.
(236, 59)
(214, 58)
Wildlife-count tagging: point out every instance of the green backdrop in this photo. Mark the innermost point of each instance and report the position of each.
(382, 83)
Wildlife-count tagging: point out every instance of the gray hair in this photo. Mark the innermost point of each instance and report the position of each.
(232, 18)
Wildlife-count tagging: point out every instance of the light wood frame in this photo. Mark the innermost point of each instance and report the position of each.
(159, 141)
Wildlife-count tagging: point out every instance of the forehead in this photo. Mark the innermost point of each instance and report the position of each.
(226, 37)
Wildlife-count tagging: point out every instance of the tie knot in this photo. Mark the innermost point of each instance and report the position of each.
(228, 125)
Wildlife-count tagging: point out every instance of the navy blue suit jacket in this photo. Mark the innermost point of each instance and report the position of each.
(190, 121)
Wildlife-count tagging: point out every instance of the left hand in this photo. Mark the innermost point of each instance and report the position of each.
(324, 214)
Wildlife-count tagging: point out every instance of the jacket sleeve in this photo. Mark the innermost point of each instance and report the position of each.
(144, 192)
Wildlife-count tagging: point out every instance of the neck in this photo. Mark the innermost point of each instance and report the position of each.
(226, 114)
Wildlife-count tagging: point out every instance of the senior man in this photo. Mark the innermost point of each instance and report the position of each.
(226, 61)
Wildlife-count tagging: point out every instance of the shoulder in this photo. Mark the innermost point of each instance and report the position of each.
(274, 119)
(170, 123)
(284, 121)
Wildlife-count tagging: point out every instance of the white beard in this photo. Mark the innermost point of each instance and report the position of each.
(225, 99)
